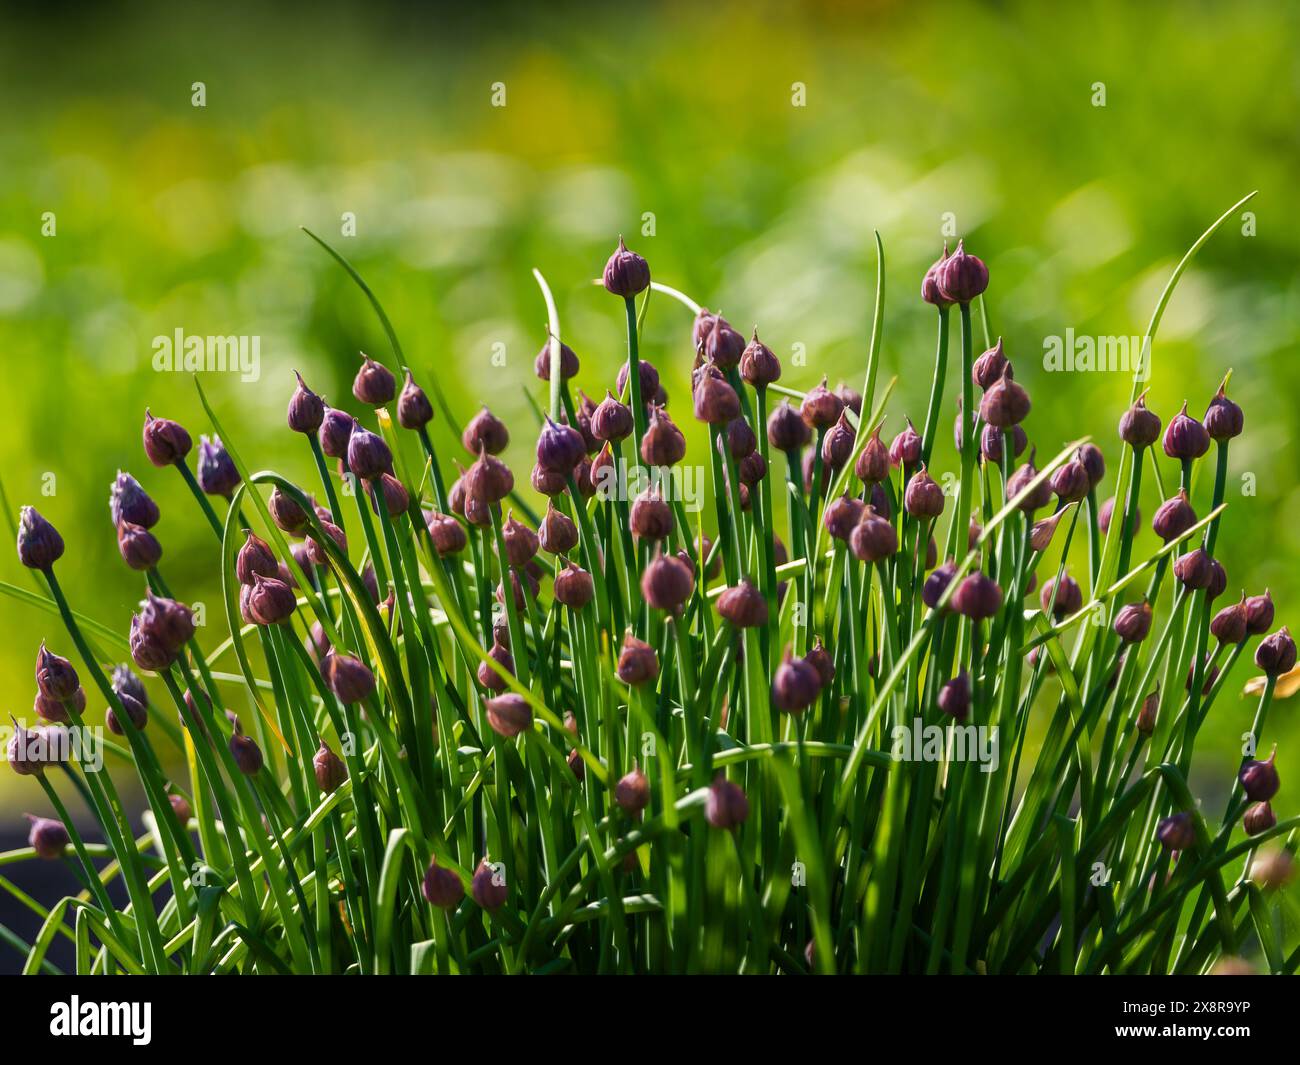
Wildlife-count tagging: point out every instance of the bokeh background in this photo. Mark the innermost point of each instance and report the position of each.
(173, 216)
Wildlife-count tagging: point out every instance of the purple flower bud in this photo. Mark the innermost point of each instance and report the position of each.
(254, 559)
(716, 401)
(667, 583)
(989, 366)
(485, 431)
(347, 677)
(147, 650)
(632, 792)
(1040, 536)
(1229, 624)
(837, 444)
(977, 597)
(873, 538)
(820, 659)
(335, 431)
(1092, 460)
(447, 534)
(127, 501)
(1174, 517)
(374, 384)
(487, 481)
(559, 447)
(741, 441)
(1177, 832)
(489, 887)
(821, 408)
(663, 443)
(992, 438)
(368, 455)
(48, 838)
(394, 494)
(726, 806)
(923, 498)
(55, 709)
(489, 677)
(611, 420)
(1023, 477)
(557, 534)
(1139, 427)
(954, 697)
(1185, 437)
(1223, 418)
(1258, 818)
(796, 685)
(1275, 654)
(317, 553)
(1133, 622)
(937, 583)
(637, 662)
(270, 601)
(1259, 613)
(170, 621)
(568, 362)
(55, 676)
(722, 345)
(648, 377)
(931, 291)
(651, 518)
(744, 606)
(1193, 569)
(1259, 780)
(626, 273)
(574, 587)
(414, 411)
(1146, 719)
(286, 512)
(39, 542)
(126, 681)
(1069, 596)
(246, 753)
(786, 430)
(306, 409)
(139, 547)
(962, 277)
(872, 465)
(509, 714)
(906, 448)
(1107, 510)
(136, 712)
(1218, 581)
(442, 887)
(520, 541)
(1005, 403)
(165, 442)
(1070, 482)
(842, 516)
(759, 367)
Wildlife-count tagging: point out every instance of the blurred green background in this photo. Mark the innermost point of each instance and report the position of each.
(173, 216)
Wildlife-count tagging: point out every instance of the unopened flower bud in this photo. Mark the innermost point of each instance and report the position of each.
(989, 366)
(977, 597)
(39, 542)
(254, 559)
(1223, 418)
(1005, 403)
(1138, 426)
(758, 365)
(270, 601)
(1174, 517)
(923, 498)
(127, 501)
(651, 518)
(1193, 569)
(954, 697)
(667, 583)
(637, 662)
(374, 384)
(246, 753)
(1146, 719)
(626, 273)
(165, 441)
(574, 587)
(1259, 613)
(568, 361)
(873, 538)
(1177, 832)
(936, 584)
(509, 714)
(611, 419)
(414, 411)
(726, 806)
(347, 677)
(48, 838)
(906, 448)
(786, 430)
(930, 290)
(368, 455)
(796, 685)
(55, 675)
(663, 443)
(1258, 818)
(1229, 624)
(872, 466)
(1068, 596)
(632, 792)
(1275, 654)
(335, 431)
(1185, 437)
(136, 712)
(1133, 622)
(442, 887)
(821, 408)
(962, 276)
(489, 886)
(743, 605)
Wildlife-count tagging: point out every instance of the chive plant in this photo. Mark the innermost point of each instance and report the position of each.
(866, 724)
